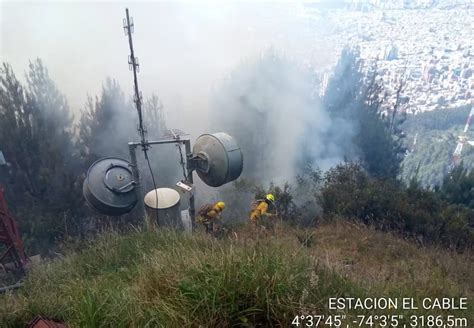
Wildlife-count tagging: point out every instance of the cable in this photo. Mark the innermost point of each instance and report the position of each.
(134, 66)
(182, 162)
(154, 182)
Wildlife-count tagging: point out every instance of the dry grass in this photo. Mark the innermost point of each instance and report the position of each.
(381, 260)
(169, 279)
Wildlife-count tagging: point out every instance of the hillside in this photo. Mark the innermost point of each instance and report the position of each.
(169, 279)
(436, 138)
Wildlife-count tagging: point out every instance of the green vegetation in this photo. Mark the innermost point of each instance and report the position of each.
(458, 187)
(168, 279)
(355, 97)
(440, 119)
(412, 211)
(36, 139)
(48, 154)
(442, 217)
(436, 138)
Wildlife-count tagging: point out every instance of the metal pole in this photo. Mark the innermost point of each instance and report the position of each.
(136, 178)
(134, 65)
(192, 209)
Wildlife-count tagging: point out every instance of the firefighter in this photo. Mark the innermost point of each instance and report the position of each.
(209, 215)
(261, 209)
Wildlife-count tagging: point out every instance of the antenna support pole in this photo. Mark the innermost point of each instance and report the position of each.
(189, 169)
(132, 146)
(133, 62)
(145, 144)
(136, 178)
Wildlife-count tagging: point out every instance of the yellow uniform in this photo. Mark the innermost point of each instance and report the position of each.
(213, 214)
(260, 216)
(262, 209)
(210, 215)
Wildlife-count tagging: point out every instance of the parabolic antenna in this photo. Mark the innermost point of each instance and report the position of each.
(109, 186)
(218, 158)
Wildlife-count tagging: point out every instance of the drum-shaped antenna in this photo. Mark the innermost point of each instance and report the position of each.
(109, 186)
(166, 198)
(218, 158)
(167, 207)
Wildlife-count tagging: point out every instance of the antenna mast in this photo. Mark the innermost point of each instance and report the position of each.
(135, 67)
(137, 99)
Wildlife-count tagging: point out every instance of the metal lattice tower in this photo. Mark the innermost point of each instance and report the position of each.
(12, 255)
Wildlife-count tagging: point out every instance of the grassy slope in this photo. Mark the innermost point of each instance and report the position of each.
(175, 280)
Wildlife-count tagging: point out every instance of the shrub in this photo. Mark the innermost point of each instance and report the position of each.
(413, 212)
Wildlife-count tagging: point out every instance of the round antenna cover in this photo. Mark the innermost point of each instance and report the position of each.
(167, 198)
(109, 186)
(220, 158)
(166, 211)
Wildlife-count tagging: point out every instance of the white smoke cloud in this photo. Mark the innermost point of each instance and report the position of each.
(270, 107)
(186, 51)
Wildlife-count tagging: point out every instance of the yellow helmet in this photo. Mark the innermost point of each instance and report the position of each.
(270, 197)
(220, 205)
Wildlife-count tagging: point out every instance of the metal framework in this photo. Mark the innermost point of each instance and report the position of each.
(13, 257)
(132, 146)
(145, 145)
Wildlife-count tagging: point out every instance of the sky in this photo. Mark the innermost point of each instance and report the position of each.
(185, 49)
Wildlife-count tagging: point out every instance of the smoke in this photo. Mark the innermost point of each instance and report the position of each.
(270, 105)
(186, 52)
(184, 49)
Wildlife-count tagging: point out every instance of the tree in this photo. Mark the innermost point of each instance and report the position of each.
(106, 125)
(348, 192)
(345, 85)
(16, 129)
(154, 117)
(380, 152)
(458, 187)
(357, 98)
(53, 126)
(36, 136)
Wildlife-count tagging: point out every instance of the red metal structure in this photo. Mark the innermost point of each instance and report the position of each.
(12, 257)
(40, 322)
